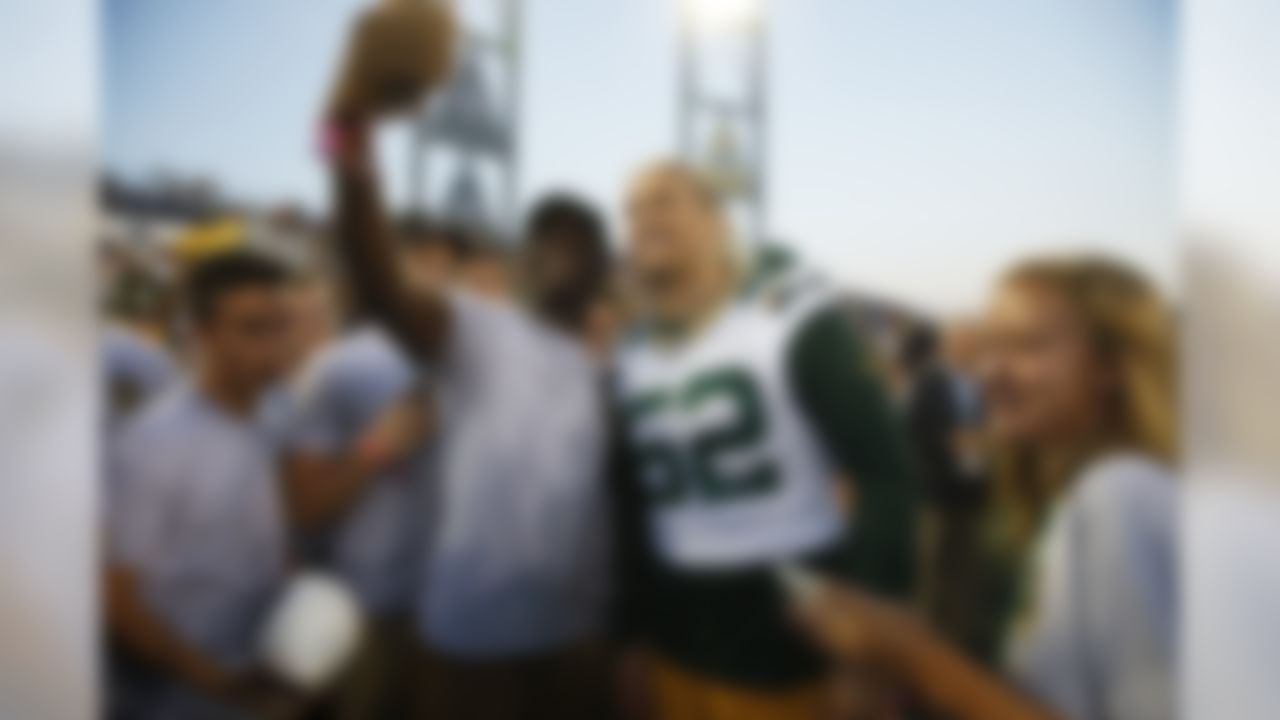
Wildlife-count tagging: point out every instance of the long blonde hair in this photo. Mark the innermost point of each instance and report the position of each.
(1133, 332)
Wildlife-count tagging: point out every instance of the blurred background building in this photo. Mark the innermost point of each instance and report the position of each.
(465, 154)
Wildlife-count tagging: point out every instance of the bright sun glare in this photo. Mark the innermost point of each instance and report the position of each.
(722, 15)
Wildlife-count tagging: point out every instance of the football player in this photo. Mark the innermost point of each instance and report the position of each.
(743, 397)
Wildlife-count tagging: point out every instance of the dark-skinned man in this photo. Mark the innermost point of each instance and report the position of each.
(513, 575)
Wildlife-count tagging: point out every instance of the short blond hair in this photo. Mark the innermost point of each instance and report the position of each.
(697, 180)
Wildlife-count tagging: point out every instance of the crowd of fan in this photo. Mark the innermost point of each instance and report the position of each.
(339, 425)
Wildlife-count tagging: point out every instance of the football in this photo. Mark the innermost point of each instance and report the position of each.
(398, 51)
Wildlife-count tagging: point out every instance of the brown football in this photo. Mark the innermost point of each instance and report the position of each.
(398, 51)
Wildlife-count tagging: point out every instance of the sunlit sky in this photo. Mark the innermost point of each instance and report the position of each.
(917, 146)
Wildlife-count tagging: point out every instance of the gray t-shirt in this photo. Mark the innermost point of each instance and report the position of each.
(516, 558)
(335, 399)
(1100, 640)
(193, 506)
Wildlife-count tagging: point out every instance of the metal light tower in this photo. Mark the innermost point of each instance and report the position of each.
(723, 128)
(471, 128)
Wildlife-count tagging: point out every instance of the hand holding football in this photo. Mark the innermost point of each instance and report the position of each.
(399, 50)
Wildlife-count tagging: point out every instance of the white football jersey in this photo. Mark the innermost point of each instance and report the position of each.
(733, 473)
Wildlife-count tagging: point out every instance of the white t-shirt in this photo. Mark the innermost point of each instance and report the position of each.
(338, 395)
(1100, 640)
(516, 558)
(193, 506)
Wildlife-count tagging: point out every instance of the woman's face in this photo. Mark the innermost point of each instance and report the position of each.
(1041, 376)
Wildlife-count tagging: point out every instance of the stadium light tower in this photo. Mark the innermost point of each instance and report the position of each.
(723, 127)
(722, 15)
(471, 128)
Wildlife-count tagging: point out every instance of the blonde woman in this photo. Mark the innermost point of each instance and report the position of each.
(1079, 377)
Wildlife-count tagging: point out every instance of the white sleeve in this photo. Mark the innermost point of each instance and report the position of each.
(1125, 587)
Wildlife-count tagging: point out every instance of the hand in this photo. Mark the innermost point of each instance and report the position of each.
(398, 51)
(633, 685)
(399, 431)
(209, 676)
(854, 627)
(264, 696)
(859, 692)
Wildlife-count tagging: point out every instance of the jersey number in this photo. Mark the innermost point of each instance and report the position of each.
(696, 467)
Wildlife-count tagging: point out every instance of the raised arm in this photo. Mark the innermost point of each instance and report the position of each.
(398, 51)
(418, 316)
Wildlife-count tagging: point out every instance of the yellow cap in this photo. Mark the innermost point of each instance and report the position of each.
(207, 239)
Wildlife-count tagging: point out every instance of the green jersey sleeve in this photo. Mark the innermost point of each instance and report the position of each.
(844, 400)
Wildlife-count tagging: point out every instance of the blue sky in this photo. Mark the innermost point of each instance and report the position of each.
(47, 83)
(918, 145)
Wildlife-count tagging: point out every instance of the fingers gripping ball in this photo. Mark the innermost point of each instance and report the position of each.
(399, 50)
(312, 633)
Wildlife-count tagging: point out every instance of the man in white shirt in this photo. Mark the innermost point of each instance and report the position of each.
(513, 583)
(194, 524)
(352, 459)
